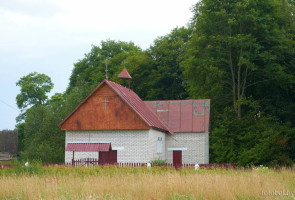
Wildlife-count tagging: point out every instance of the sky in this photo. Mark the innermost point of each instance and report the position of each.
(49, 36)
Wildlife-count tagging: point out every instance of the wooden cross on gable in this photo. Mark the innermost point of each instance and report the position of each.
(105, 104)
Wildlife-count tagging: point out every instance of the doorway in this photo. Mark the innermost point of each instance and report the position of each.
(109, 157)
(177, 159)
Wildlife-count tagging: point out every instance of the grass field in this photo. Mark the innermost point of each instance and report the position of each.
(37, 182)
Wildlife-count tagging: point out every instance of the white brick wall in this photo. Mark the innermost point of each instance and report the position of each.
(133, 145)
(197, 145)
(141, 145)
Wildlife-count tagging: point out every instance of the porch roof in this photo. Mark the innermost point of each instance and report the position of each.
(89, 147)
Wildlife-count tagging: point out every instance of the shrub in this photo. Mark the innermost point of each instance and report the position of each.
(158, 162)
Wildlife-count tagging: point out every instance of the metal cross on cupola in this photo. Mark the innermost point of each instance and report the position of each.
(125, 75)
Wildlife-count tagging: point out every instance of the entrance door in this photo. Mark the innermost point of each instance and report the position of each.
(109, 157)
(177, 159)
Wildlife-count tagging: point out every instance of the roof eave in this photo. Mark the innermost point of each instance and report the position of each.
(163, 130)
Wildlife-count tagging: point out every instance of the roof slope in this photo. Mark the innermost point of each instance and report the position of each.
(134, 102)
(183, 115)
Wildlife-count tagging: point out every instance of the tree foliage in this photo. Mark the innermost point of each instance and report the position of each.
(154, 70)
(254, 139)
(238, 47)
(34, 87)
(41, 137)
(91, 69)
(239, 52)
(167, 53)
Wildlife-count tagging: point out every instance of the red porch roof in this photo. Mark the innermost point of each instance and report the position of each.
(88, 147)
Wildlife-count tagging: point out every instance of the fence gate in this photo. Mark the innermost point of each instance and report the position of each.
(109, 157)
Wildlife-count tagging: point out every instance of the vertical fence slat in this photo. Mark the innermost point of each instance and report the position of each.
(95, 161)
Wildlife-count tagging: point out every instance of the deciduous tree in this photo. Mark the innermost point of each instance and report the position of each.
(34, 89)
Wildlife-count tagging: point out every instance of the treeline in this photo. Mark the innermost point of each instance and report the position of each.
(239, 54)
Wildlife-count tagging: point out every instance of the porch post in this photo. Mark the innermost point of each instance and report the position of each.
(73, 160)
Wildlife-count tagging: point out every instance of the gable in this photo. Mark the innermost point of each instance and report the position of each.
(103, 110)
(183, 115)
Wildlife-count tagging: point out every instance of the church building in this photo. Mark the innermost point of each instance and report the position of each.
(114, 125)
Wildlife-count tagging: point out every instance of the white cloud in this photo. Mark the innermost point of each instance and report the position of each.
(34, 8)
(72, 21)
(118, 14)
(48, 36)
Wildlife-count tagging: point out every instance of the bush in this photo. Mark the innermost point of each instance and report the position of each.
(158, 162)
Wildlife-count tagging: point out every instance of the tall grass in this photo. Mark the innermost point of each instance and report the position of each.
(37, 182)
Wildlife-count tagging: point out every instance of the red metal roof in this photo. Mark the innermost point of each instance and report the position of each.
(124, 74)
(133, 100)
(184, 115)
(88, 147)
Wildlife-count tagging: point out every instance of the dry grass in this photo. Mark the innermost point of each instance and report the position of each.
(127, 183)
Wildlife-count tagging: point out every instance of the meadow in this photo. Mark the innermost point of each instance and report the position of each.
(109, 182)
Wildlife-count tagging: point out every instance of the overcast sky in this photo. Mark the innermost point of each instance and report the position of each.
(48, 36)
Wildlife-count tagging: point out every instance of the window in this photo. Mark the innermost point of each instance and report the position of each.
(159, 145)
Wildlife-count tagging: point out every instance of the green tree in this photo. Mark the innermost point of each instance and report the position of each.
(140, 66)
(238, 46)
(239, 51)
(44, 140)
(251, 140)
(33, 91)
(153, 71)
(91, 69)
(41, 137)
(167, 53)
(34, 88)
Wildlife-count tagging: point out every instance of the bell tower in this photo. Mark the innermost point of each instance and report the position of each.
(125, 75)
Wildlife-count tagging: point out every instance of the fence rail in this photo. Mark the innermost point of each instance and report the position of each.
(95, 162)
(5, 166)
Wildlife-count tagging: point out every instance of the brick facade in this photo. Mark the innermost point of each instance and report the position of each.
(131, 145)
(195, 147)
(144, 145)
